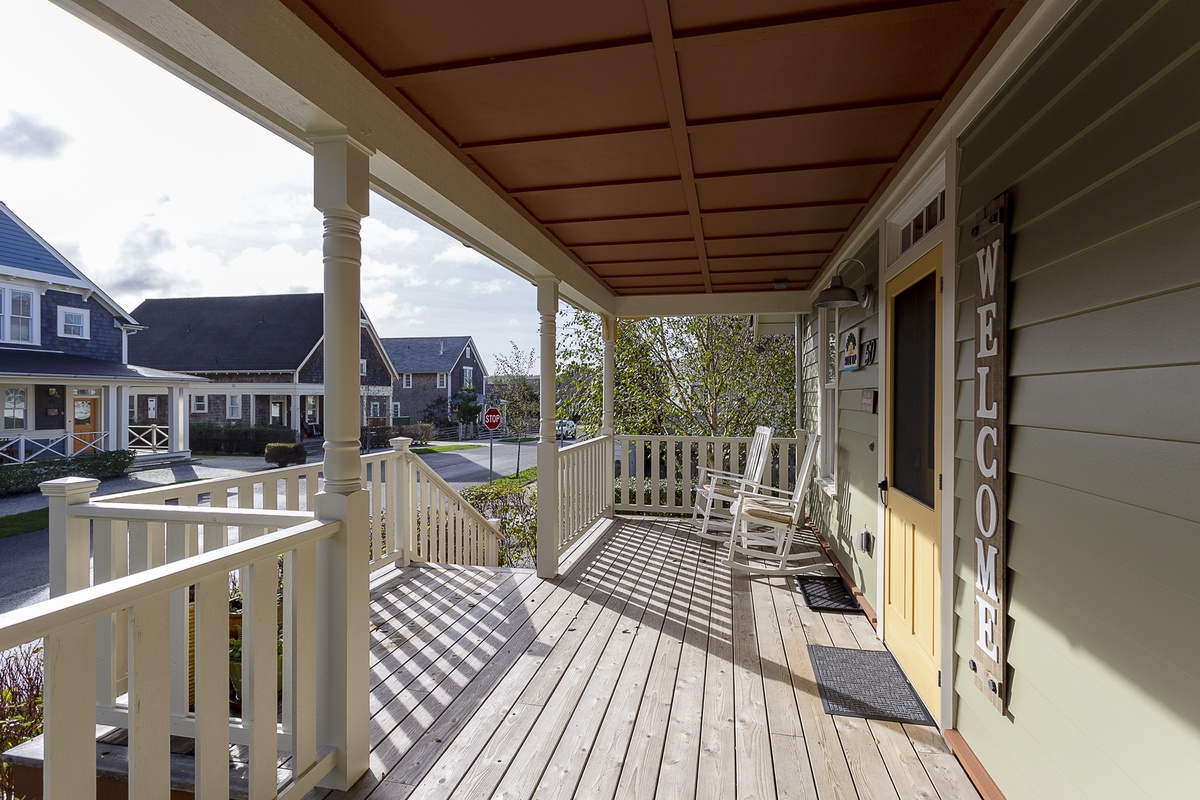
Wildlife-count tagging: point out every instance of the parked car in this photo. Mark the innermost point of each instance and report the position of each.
(564, 429)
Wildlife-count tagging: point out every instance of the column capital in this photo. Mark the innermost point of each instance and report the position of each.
(341, 174)
(76, 490)
(547, 296)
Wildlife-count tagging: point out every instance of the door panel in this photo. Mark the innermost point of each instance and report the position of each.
(912, 530)
(84, 425)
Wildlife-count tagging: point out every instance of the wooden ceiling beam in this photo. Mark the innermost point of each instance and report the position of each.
(658, 14)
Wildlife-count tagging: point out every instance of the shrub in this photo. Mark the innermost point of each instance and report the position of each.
(238, 439)
(421, 433)
(17, 478)
(21, 684)
(284, 455)
(516, 508)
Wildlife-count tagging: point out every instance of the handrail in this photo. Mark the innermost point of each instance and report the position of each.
(445, 528)
(585, 487)
(659, 474)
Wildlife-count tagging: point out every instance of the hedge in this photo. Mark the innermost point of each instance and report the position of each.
(18, 478)
(238, 439)
(282, 454)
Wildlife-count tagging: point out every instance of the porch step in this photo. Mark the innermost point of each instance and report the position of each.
(112, 768)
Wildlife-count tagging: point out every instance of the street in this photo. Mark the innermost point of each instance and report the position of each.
(24, 559)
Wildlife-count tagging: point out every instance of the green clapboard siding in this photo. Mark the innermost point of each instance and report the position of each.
(1097, 140)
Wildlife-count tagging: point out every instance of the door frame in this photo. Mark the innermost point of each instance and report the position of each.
(945, 234)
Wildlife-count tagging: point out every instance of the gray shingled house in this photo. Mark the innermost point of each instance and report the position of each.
(264, 356)
(431, 371)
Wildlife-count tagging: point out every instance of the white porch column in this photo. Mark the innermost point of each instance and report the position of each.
(296, 412)
(609, 325)
(342, 193)
(547, 448)
(799, 377)
(121, 408)
(177, 419)
(110, 403)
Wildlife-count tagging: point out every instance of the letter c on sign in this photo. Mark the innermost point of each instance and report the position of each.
(988, 470)
(986, 531)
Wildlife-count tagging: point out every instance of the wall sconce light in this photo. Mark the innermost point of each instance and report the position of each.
(839, 295)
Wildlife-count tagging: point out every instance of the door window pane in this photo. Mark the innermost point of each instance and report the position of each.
(915, 336)
(15, 406)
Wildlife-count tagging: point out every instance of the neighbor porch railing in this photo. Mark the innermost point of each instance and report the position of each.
(20, 449)
(658, 474)
(146, 439)
(119, 630)
(585, 487)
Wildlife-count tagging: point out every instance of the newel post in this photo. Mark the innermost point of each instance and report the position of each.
(69, 535)
(342, 193)
(547, 448)
(401, 507)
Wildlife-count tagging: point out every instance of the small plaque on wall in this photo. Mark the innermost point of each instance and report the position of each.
(870, 399)
(851, 349)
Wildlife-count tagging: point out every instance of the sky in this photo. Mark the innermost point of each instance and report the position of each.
(154, 189)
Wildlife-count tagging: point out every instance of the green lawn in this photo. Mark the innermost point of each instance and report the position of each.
(36, 520)
(523, 478)
(444, 448)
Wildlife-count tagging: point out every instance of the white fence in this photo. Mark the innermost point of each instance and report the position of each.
(141, 631)
(146, 439)
(20, 449)
(585, 487)
(657, 474)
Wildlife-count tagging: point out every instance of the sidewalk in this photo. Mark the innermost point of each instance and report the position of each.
(201, 468)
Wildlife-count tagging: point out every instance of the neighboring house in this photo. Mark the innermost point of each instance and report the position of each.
(264, 356)
(64, 374)
(433, 369)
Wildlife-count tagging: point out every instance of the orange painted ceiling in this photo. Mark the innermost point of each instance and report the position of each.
(675, 146)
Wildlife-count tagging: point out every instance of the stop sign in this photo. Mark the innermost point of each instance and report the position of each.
(491, 418)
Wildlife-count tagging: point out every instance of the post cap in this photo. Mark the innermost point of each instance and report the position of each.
(69, 487)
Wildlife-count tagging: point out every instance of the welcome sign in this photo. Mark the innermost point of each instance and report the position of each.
(991, 464)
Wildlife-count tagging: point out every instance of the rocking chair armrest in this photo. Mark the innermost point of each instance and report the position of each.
(707, 473)
(751, 489)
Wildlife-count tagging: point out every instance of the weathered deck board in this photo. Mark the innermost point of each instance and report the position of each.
(646, 671)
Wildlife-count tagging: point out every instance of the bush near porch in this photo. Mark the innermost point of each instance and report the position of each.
(515, 506)
(248, 440)
(20, 478)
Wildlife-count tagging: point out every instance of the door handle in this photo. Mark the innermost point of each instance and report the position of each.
(883, 489)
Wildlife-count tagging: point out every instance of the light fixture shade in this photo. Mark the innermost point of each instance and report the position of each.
(837, 295)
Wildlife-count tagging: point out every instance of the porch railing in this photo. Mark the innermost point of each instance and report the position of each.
(20, 449)
(658, 474)
(585, 487)
(140, 629)
(149, 438)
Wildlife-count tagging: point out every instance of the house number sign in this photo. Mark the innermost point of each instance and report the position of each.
(991, 463)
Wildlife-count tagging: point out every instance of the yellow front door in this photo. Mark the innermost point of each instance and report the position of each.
(912, 530)
(84, 430)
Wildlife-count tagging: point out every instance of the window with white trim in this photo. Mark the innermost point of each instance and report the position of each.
(407, 380)
(16, 408)
(18, 315)
(374, 408)
(74, 323)
(362, 366)
(443, 380)
(199, 404)
(468, 376)
(395, 409)
(233, 406)
(918, 214)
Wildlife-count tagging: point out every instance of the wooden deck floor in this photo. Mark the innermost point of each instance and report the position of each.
(645, 671)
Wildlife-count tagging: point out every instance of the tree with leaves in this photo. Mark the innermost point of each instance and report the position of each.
(467, 404)
(513, 382)
(680, 376)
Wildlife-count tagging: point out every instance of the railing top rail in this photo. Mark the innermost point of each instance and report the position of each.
(80, 608)
(594, 440)
(198, 514)
(738, 439)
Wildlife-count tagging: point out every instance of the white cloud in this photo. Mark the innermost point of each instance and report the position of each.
(183, 196)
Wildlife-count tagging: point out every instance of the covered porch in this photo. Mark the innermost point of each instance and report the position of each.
(645, 670)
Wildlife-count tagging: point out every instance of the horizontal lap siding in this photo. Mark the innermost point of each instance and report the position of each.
(1098, 141)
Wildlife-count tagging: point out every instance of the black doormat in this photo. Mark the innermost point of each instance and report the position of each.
(865, 683)
(826, 593)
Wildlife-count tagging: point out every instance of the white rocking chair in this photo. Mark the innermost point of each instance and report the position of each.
(765, 529)
(717, 490)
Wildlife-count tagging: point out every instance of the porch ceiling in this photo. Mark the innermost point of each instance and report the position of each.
(675, 146)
